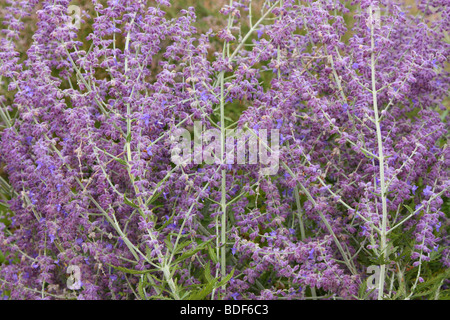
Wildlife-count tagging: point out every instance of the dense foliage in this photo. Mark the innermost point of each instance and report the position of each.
(357, 89)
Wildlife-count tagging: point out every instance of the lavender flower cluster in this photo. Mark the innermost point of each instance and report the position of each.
(357, 90)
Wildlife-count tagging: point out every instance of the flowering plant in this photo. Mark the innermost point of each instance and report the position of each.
(356, 90)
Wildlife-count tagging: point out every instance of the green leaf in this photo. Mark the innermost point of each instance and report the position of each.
(226, 279)
(409, 209)
(168, 244)
(153, 198)
(121, 161)
(212, 254)
(432, 286)
(129, 202)
(191, 252)
(201, 294)
(366, 154)
(208, 276)
(362, 289)
(379, 261)
(183, 245)
(165, 224)
(212, 284)
(4, 205)
(131, 271)
(141, 288)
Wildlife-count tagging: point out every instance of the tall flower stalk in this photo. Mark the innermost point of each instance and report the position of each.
(383, 226)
